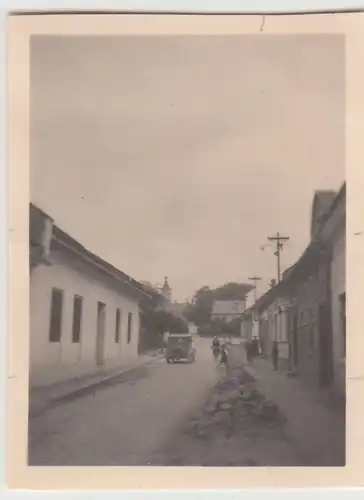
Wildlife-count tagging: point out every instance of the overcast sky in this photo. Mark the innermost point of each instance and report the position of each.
(178, 156)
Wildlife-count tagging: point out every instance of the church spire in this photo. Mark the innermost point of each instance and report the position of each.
(166, 285)
(167, 292)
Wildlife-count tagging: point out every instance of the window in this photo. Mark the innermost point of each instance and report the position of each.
(117, 326)
(130, 316)
(55, 326)
(77, 317)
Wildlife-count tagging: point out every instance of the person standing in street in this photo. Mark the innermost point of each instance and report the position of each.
(275, 355)
(249, 351)
(255, 346)
(216, 347)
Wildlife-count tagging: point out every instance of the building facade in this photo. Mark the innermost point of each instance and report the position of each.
(305, 312)
(84, 313)
(227, 310)
(317, 284)
(334, 236)
(268, 320)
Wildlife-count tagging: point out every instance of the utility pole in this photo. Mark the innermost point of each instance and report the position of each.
(279, 240)
(255, 279)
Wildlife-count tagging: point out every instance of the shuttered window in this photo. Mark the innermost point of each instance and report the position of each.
(55, 327)
(77, 318)
(117, 326)
(130, 317)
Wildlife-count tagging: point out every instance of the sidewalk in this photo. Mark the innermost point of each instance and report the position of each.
(40, 399)
(316, 431)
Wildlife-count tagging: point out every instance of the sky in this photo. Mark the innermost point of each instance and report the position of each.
(179, 155)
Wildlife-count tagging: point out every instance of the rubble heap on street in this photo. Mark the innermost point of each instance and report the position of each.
(236, 426)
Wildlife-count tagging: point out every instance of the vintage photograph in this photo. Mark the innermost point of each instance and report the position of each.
(187, 250)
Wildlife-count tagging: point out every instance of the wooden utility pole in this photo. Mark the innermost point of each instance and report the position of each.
(279, 240)
(254, 279)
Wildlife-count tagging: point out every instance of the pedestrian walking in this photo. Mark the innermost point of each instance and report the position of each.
(275, 355)
(224, 358)
(216, 348)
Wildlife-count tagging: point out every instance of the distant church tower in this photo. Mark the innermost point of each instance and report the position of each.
(167, 292)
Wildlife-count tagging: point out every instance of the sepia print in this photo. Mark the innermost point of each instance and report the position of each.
(187, 250)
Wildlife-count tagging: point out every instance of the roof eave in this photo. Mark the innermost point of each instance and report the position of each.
(101, 265)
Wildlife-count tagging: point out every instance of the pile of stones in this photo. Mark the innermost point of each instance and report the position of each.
(234, 404)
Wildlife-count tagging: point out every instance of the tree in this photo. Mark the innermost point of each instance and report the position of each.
(199, 310)
(151, 317)
(178, 325)
(233, 291)
(155, 299)
(234, 327)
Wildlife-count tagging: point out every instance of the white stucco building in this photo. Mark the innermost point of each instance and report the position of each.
(267, 320)
(276, 316)
(84, 313)
(227, 309)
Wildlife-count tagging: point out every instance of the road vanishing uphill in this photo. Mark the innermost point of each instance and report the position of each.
(123, 423)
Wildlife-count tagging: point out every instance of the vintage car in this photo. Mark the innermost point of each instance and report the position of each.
(180, 347)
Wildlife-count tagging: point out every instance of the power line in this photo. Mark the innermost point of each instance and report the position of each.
(279, 241)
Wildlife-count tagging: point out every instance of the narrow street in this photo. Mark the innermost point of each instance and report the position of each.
(191, 414)
(163, 212)
(122, 424)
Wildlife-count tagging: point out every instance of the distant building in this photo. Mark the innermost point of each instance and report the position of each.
(227, 309)
(84, 313)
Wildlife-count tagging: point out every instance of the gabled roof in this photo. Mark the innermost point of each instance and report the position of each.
(324, 202)
(341, 195)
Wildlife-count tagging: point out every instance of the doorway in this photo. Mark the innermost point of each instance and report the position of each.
(295, 340)
(100, 335)
(326, 348)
